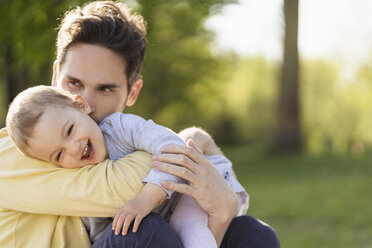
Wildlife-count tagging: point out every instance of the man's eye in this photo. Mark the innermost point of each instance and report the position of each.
(74, 84)
(58, 156)
(104, 89)
(69, 131)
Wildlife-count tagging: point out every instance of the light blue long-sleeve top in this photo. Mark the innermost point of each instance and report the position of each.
(126, 133)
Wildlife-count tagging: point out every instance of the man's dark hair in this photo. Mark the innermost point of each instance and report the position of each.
(108, 24)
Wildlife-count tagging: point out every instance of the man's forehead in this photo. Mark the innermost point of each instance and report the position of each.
(91, 62)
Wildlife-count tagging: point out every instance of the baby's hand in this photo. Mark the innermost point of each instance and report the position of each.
(135, 209)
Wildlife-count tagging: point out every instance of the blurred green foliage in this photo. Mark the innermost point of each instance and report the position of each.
(233, 98)
(27, 44)
(337, 112)
(29, 31)
(181, 78)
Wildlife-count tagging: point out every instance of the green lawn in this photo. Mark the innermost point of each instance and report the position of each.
(322, 201)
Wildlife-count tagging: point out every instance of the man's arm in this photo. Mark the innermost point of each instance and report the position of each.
(34, 186)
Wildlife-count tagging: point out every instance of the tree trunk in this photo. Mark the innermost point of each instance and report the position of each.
(288, 137)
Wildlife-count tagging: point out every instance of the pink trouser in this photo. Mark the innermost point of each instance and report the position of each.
(191, 224)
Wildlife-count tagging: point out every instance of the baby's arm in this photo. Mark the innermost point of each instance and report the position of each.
(137, 208)
(137, 133)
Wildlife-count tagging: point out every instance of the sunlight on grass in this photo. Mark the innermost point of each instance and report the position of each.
(310, 201)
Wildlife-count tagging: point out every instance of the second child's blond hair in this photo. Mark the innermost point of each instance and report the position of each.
(27, 108)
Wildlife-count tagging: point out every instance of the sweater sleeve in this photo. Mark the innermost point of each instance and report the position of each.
(136, 133)
(33, 186)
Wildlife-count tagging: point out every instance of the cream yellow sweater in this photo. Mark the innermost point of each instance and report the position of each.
(41, 204)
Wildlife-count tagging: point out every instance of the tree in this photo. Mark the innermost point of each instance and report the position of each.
(178, 60)
(288, 136)
(27, 51)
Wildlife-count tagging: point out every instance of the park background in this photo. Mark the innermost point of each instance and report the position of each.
(285, 88)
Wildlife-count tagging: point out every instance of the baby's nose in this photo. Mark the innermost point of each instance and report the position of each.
(74, 148)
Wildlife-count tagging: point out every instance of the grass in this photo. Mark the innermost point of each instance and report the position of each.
(310, 201)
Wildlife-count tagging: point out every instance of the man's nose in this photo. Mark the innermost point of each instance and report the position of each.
(89, 97)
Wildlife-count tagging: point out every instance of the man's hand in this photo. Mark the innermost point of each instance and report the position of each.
(206, 185)
(137, 208)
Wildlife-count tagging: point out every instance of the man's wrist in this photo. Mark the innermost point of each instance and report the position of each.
(218, 227)
(228, 212)
(223, 218)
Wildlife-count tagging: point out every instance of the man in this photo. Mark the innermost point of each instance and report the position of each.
(100, 53)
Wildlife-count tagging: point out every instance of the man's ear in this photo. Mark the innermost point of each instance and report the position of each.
(134, 92)
(55, 73)
(82, 104)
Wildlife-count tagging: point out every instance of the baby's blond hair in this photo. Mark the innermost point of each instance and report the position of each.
(27, 108)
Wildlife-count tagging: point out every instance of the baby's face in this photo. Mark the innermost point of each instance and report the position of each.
(67, 137)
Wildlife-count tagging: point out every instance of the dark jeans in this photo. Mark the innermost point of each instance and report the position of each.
(154, 232)
(246, 231)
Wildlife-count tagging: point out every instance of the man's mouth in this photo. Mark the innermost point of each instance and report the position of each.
(88, 152)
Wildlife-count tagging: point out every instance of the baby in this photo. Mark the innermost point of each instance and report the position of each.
(53, 125)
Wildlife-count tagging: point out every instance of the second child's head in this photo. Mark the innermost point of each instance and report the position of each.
(53, 125)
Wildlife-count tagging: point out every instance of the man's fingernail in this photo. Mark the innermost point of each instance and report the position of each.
(155, 157)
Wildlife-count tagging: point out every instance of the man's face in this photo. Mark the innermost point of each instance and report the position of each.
(97, 74)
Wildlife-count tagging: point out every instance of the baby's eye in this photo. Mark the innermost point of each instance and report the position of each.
(58, 156)
(69, 131)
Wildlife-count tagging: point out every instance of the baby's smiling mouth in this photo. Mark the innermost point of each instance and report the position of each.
(88, 151)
